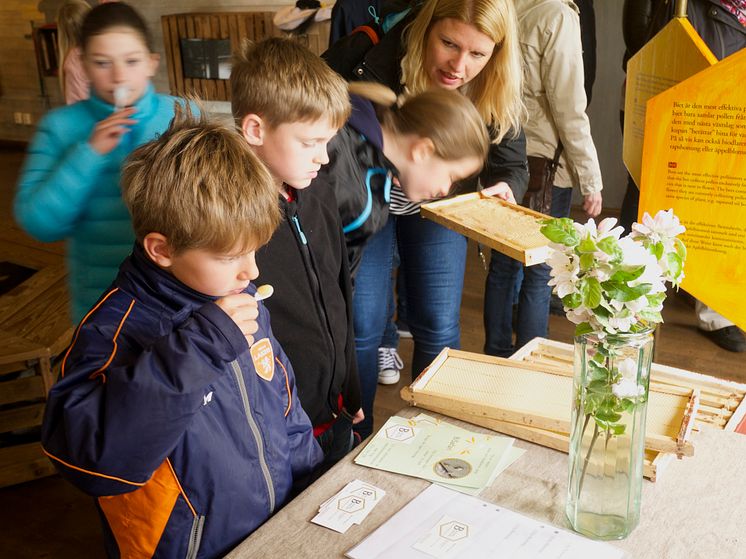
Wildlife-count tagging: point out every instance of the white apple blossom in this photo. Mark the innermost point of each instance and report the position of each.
(663, 227)
(627, 368)
(654, 236)
(627, 388)
(564, 273)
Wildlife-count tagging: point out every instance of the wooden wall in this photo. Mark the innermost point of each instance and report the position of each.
(20, 90)
(20, 87)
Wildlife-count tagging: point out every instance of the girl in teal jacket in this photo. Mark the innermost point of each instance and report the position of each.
(69, 184)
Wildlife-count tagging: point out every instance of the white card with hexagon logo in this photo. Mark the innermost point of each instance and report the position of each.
(350, 506)
(446, 539)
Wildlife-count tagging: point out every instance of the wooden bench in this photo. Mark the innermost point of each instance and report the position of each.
(35, 327)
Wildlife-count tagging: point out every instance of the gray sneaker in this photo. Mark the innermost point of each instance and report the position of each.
(389, 365)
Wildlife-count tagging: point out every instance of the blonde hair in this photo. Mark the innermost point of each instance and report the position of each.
(496, 91)
(283, 82)
(201, 186)
(447, 118)
(69, 23)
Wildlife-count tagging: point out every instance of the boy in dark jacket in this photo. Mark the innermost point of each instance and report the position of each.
(176, 406)
(288, 105)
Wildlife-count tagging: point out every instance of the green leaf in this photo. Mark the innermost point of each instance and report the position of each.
(590, 291)
(587, 260)
(610, 246)
(651, 316)
(597, 371)
(623, 292)
(675, 264)
(624, 276)
(608, 415)
(603, 310)
(680, 248)
(572, 301)
(561, 231)
(593, 402)
(606, 426)
(617, 429)
(600, 387)
(657, 250)
(656, 299)
(583, 328)
(587, 245)
(627, 404)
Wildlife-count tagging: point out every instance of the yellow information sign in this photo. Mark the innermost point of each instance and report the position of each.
(694, 161)
(673, 55)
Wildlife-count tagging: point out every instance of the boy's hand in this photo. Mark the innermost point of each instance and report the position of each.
(108, 132)
(358, 417)
(243, 310)
(500, 190)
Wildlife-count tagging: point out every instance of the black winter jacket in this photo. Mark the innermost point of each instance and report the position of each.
(719, 29)
(360, 176)
(381, 63)
(306, 263)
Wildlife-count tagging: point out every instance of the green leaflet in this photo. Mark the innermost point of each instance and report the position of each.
(561, 231)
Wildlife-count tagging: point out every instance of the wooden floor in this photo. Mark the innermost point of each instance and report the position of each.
(49, 518)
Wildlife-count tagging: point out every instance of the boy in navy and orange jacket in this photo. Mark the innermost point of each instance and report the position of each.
(176, 407)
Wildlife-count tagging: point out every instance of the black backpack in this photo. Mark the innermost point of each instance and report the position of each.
(357, 26)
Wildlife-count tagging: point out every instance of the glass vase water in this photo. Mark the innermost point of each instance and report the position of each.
(607, 436)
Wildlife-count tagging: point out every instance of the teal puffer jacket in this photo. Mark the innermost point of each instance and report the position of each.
(69, 191)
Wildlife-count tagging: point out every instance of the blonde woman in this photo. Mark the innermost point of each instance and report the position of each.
(470, 46)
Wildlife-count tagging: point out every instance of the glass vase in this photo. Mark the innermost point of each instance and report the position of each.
(607, 433)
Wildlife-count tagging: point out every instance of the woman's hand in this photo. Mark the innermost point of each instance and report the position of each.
(500, 190)
(108, 133)
(592, 204)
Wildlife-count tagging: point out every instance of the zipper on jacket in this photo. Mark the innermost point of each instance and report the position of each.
(195, 537)
(300, 231)
(313, 278)
(257, 434)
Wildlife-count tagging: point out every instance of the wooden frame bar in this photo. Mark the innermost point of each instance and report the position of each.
(488, 221)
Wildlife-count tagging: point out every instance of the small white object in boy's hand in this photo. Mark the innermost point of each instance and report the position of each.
(120, 97)
(264, 292)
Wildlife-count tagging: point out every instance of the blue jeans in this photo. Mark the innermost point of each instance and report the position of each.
(533, 297)
(432, 261)
(372, 300)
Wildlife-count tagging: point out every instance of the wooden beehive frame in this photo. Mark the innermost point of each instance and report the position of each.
(517, 399)
(510, 229)
(721, 402)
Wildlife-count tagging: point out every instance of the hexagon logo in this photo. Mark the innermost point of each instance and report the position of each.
(351, 503)
(400, 432)
(693, 162)
(453, 531)
(365, 493)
